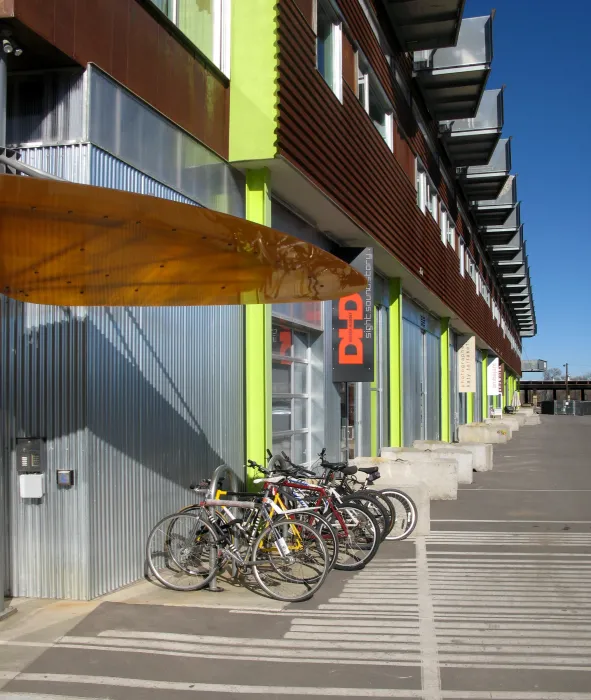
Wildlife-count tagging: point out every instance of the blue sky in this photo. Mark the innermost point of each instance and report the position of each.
(541, 56)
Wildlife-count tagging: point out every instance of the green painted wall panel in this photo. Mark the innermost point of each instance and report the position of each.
(254, 80)
(395, 333)
(445, 397)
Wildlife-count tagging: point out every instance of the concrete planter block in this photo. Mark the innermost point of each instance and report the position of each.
(416, 453)
(483, 432)
(482, 452)
(533, 420)
(440, 476)
(511, 421)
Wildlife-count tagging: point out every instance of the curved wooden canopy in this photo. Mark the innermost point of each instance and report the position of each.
(73, 245)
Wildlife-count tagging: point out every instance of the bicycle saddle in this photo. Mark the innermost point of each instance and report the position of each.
(368, 470)
(345, 469)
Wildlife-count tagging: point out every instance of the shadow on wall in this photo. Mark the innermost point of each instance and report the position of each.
(140, 403)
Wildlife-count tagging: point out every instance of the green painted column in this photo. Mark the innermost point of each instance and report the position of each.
(395, 362)
(445, 398)
(484, 355)
(257, 331)
(374, 395)
(470, 407)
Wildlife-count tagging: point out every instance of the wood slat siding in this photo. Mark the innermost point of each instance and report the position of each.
(339, 149)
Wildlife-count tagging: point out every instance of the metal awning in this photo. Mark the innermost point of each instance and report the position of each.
(486, 182)
(473, 141)
(505, 251)
(72, 245)
(425, 24)
(495, 212)
(504, 235)
(453, 79)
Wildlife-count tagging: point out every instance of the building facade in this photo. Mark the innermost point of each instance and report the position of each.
(350, 124)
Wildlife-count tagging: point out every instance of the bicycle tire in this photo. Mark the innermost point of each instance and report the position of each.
(387, 503)
(269, 575)
(401, 530)
(363, 552)
(188, 569)
(375, 507)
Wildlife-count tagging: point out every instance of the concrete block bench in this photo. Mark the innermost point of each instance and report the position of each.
(482, 452)
(419, 454)
(440, 477)
(484, 433)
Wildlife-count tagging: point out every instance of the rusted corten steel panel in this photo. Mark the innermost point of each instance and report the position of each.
(338, 148)
(349, 65)
(127, 42)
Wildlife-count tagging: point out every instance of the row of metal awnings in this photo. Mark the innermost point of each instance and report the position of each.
(452, 63)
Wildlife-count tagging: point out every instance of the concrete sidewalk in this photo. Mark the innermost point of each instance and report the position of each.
(495, 603)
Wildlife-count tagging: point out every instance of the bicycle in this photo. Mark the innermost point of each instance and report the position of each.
(402, 507)
(287, 557)
(357, 529)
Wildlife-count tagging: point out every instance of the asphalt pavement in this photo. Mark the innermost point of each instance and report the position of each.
(494, 604)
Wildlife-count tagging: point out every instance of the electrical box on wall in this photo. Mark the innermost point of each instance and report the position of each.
(30, 455)
(31, 485)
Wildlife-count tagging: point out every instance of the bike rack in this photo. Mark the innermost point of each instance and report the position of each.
(224, 470)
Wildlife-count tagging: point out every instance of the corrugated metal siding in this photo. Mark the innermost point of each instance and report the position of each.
(412, 382)
(454, 398)
(354, 167)
(43, 395)
(68, 162)
(165, 407)
(433, 387)
(107, 171)
(139, 402)
(46, 107)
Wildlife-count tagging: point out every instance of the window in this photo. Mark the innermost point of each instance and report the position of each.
(462, 252)
(443, 224)
(291, 392)
(431, 199)
(206, 23)
(472, 272)
(329, 46)
(421, 185)
(374, 101)
(451, 235)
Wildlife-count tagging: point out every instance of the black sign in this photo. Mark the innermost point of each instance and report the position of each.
(352, 329)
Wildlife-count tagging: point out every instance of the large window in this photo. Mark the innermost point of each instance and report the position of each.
(206, 23)
(329, 46)
(374, 101)
(291, 392)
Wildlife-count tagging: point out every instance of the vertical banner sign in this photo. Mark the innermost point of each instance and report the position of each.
(352, 329)
(467, 364)
(494, 386)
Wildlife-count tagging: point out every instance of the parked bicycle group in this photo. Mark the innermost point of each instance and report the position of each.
(285, 538)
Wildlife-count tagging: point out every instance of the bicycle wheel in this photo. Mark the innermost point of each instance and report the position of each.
(290, 560)
(387, 504)
(358, 534)
(377, 509)
(178, 552)
(406, 514)
(326, 531)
